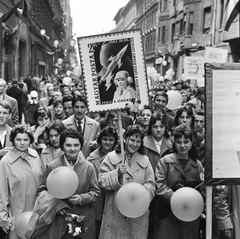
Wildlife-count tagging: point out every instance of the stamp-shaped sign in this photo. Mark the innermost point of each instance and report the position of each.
(114, 71)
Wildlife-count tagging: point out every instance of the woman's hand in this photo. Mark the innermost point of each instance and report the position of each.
(75, 199)
(122, 169)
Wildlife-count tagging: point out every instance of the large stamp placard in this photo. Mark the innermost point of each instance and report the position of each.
(222, 162)
(114, 71)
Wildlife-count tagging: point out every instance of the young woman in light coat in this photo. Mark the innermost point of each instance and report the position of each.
(113, 175)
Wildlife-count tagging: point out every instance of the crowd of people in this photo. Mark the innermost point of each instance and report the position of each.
(45, 124)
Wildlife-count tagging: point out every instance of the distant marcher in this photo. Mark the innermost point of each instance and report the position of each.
(14, 120)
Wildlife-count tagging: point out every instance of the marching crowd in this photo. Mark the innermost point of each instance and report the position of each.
(45, 124)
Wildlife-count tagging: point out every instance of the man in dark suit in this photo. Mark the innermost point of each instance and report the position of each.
(79, 121)
(14, 105)
(16, 93)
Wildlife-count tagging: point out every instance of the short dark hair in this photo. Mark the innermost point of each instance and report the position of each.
(188, 109)
(21, 129)
(66, 98)
(41, 111)
(161, 93)
(107, 131)
(79, 98)
(158, 117)
(188, 133)
(147, 107)
(70, 133)
(130, 131)
(56, 125)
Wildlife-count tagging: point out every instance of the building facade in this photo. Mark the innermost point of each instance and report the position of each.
(173, 29)
(28, 39)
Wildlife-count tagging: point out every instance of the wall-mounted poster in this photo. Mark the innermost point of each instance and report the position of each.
(222, 162)
(114, 71)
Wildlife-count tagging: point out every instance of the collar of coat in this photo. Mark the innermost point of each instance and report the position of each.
(13, 155)
(141, 160)
(149, 143)
(171, 158)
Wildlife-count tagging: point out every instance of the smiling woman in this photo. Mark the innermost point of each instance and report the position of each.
(175, 170)
(114, 174)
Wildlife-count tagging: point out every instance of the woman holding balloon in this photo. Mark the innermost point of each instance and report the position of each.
(176, 170)
(87, 190)
(116, 175)
(20, 171)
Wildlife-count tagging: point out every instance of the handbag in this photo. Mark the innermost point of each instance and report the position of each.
(162, 208)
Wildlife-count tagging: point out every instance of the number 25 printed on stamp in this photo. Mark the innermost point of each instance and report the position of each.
(114, 71)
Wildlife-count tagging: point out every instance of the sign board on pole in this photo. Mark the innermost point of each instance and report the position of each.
(193, 67)
(114, 70)
(215, 55)
(222, 162)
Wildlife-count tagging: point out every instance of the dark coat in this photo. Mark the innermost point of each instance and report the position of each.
(169, 173)
(151, 149)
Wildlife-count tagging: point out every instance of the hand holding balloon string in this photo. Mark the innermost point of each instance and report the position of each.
(75, 199)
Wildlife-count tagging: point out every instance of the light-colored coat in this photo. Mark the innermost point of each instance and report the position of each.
(151, 149)
(168, 173)
(87, 188)
(114, 224)
(91, 130)
(19, 182)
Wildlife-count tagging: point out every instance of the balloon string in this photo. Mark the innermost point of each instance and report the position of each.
(199, 185)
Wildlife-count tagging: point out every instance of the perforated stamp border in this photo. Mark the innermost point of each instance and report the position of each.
(101, 57)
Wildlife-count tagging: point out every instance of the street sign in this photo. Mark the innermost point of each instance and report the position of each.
(215, 55)
(193, 67)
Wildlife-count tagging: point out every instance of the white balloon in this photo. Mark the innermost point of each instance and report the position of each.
(174, 99)
(183, 77)
(67, 80)
(164, 63)
(187, 204)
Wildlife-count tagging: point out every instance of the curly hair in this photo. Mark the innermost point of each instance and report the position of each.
(56, 125)
(21, 129)
(131, 131)
(188, 109)
(158, 117)
(108, 131)
(187, 133)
